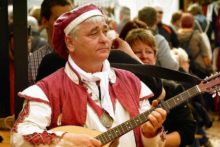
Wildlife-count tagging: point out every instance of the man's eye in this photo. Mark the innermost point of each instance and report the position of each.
(93, 33)
(105, 31)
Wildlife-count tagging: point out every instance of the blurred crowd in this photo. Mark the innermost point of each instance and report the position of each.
(189, 44)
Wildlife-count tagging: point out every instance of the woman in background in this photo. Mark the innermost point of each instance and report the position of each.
(143, 44)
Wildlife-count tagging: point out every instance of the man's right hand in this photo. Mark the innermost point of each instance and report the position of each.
(78, 140)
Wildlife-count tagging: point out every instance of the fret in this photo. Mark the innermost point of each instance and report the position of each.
(171, 103)
(101, 138)
(194, 91)
(121, 128)
(168, 105)
(117, 132)
(142, 118)
(128, 125)
(188, 92)
(182, 97)
(106, 136)
(197, 90)
(185, 95)
(178, 99)
(164, 105)
(133, 123)
(113, 132)
(146, 115)
(175, 101)
(137, 120)
(124, 125)
(110, 135)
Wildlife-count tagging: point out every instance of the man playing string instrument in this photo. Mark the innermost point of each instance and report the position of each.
(87, 92)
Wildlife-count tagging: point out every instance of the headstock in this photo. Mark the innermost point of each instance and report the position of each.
(211, 84)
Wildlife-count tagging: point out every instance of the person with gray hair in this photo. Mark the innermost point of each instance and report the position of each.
(36, 40)
(124, 17)
(87, 92)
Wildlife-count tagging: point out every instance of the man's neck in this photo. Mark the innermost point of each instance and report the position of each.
(90, 67)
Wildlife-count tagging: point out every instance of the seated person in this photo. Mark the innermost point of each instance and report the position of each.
(197, 104)
(143, 44)
(87, 92)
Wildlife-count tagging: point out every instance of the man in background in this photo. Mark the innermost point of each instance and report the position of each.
(50, 11)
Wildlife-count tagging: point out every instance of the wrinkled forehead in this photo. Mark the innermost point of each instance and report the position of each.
(93, 22)
(98, 19)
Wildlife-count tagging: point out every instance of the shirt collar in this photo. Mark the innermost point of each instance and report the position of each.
(71, 69)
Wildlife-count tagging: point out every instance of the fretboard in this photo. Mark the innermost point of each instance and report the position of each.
(129, 125)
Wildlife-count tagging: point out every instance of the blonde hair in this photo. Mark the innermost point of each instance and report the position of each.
(142, 35)
(180, 54)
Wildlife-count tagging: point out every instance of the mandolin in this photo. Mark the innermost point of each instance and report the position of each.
(209, 84)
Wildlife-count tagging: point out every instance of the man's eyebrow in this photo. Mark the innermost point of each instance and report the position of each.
(106, 25)
(96, 28)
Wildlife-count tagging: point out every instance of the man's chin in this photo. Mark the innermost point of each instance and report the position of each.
(104, 56)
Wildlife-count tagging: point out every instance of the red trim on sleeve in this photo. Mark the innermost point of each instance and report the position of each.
(25, 111)
(21, 116)
(33, 98)
(40, 138)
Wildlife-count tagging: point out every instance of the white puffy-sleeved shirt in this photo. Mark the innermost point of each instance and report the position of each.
(36, 115)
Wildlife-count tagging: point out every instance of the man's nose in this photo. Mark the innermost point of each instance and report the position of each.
(103, 37)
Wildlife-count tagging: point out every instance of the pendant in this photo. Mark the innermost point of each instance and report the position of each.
(106, 120)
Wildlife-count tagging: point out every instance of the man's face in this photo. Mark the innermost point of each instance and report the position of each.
(56, 11)
(91, 44)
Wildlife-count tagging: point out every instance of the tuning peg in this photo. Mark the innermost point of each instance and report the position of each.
(218, 93)
(206, 79)
(214, 95)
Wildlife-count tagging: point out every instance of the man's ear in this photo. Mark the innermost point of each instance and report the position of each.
(69, 43)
